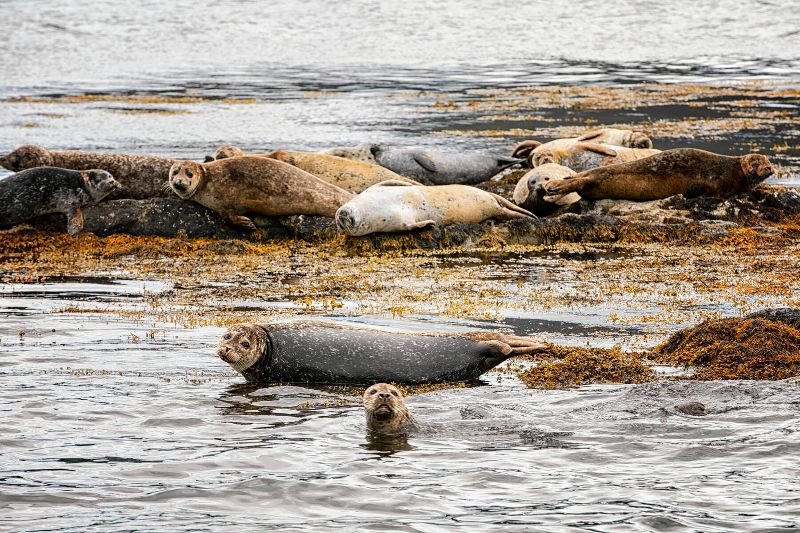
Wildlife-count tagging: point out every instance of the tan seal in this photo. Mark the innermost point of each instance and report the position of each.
(139, 176)
(353, 176)
(398, 206)
(583, 155)
(530, 194)
(386, 410)
(614, 136)
(686, 171)
(233, 187)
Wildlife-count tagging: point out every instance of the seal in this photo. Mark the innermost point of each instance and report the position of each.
(386, 410)
(353, 176)
(441, 168)
(582, 155)
(529, 193)
(614, 136)
(139, 176)
(361, 152)
(235, 186)
(398, 206)
(687, 171)
(316, 351)
(44, 190)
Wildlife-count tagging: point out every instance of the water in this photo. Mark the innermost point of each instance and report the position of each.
(123, 422)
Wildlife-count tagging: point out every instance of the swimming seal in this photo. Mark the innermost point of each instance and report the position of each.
(386, 410)
(43, 190)
(582, 155)
(235, 186)
(687, 171)
(315, 351)
(529, 193)
(353, 176)
(432, 167)
(139, 176)
(398, 206)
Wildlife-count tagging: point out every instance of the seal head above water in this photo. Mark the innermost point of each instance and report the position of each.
(386, 410)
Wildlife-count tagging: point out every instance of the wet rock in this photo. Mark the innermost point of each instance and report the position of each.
(785, 315)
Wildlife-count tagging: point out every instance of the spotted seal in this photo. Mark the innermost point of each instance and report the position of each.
(386, 411)
(397, 206)
(582, 155)
(316, 351)
(687, 171)
(235, 186)
(139, 176)
(42, 190)
(529, 193)
(614, 136)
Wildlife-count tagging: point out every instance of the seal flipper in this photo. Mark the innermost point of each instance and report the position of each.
(74, 220)
(590, 135)
(419, 225)
(511, 210)
(525, 148)
(598, 148)
(565, 186)
(425, 161)
(390, 183)
(240, 221)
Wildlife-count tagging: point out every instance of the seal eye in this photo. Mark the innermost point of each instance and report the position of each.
(227, 336)
(373, 392)
(394, 393)
(189, 173)
(245, 344)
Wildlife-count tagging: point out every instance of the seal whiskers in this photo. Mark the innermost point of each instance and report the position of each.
(386, 411)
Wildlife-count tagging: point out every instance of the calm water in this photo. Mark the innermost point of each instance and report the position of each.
(121, 425)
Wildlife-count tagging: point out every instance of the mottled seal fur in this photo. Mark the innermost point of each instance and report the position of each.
(139, 176)
(529, 193)
(316, 351)
(361, 152)
(398, 206)
(43, 190)
(583, 155)
(614, 136)
(386, 411)
(687, 171)
(239, 185)
(353, 176)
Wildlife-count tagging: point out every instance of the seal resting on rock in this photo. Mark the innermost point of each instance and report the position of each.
(233, 187)
(386, 410)
(583, 155)
(43, 190)
(530, 194)
(139, 176)
(617, 137)
(315, 351)
(687, 171)
(361, 152)
(398, 206)
(353, 176)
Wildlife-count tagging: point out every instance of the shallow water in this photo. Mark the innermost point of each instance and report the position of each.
(124, 423)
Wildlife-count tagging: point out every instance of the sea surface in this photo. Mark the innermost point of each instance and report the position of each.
(116, 424)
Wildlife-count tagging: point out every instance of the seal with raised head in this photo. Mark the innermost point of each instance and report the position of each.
(687, 171)
(239, 185)
(529, 193)
(43, 190)
(434, 167)
(386, 410)
(316, 351)
(582, 155)
(139, 176)
(397, 206)
(353, 176)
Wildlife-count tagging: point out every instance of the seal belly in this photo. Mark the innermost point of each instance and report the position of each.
(324, 354)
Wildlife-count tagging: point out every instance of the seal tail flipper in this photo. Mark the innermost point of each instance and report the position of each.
(509, 345)
(510, 210)
(524, 149)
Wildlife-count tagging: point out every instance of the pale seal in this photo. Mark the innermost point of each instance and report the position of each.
(687, 171)
(397, 206)
(233, 187)
(139, 176)
(582, 155)
(529, 193)
(353, 176)
(315, 351)
(361, 152)
(386, 411)
(43, 190)
(614, 136)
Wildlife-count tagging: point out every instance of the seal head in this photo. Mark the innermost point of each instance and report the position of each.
(757, 168)
(185, 177)
(27, 156)
(227, 151)
(637, 139)
(242, 345)
(99, 183)
(352, 221)
(386, 410)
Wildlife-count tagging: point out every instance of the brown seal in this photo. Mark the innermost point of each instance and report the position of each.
(686, 171)
(583, 155)
(353, 176)
(140, 176)
(529, 193)
(233, 187)
(386, 410)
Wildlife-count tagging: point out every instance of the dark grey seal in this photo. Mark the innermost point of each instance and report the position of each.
(336, 353)
(44, 190)
(441, 168)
